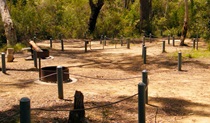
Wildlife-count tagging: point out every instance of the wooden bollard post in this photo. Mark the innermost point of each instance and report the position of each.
(3, 63)
(164, 49)
(179, 61)
(62, 47)
(145, 55)
(173, 41)
(78, 114)
(101, 39)
(128, 43)
(141, 103)
(105, 40)
(150, 37)
(121, 40)
(146, 82)
(50, 42)
(25, 110)
(168, 38)
(193, 43)
(86, 42)
(60, 81)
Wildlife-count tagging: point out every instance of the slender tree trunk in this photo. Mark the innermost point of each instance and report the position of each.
(95, 10)
(185, 26)
(8, 24)
(145, 12)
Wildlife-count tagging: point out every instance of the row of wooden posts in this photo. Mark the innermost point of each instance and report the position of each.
(25, 108)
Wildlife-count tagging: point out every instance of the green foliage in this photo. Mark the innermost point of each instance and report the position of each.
(49, 18)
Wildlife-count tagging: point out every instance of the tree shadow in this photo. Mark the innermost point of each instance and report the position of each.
(180, 107)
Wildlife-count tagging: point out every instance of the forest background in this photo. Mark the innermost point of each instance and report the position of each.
(47, 18)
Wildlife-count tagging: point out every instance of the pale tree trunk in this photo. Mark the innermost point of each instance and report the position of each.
(8, 24)
(185, 26)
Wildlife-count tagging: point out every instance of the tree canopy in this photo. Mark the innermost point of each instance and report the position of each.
(48, 18)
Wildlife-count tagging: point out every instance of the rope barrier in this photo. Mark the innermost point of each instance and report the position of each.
(103, 78)
(42, 109)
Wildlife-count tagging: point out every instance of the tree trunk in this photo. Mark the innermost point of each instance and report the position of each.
(8, 24)
(185, 26)
(95, 10)
(78, 116)
(145, 12)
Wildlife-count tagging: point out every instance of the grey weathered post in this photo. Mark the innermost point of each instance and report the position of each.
(179, 61)
(128, 43)
(25, 111)
(50, 42)
(101, 39)
(193, 43)
(145, 54)
(164, 49)
(86, 42)
(173, 41)
(143, 40)
(62, 47)
(60, 81)
(3, 63)
(150, 37)
(141, 103)
(145, 81)
(35, 58)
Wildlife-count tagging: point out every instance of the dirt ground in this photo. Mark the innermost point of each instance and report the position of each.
(110, 75)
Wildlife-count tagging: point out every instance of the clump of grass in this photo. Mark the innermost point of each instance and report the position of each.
(17, 47)
(192, 54)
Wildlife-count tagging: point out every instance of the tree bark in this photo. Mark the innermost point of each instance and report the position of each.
(95, 10)
(8, 24)
(78, 116)
(185, 26)
(145, 13)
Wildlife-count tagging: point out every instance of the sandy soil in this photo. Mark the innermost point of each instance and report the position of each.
(109, 75)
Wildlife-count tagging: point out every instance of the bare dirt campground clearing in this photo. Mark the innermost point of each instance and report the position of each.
(102, 76)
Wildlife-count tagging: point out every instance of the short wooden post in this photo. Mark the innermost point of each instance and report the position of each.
(143, 50)
(128, 43)
(143, 40)
(150, 37)
(50, 42)
(25, 111)
(62, 47)
(105, 40)
(197, 43)
(168, 38)
(145, 81)
(179, 61)
(78, 114)
(164, 49)
(60, 81)
(145, 54)
(3, 63)
(141, 103)
(101, 39)
(40, 68)
(193, 43)
(35, 58)
(86, 42)
(121, 40)
(173, 41)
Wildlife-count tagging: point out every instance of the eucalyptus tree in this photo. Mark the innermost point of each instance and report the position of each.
(10, 32)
